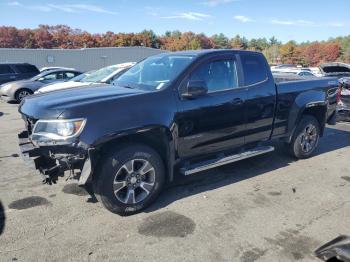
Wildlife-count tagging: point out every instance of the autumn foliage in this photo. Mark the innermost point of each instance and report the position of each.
(62, 36)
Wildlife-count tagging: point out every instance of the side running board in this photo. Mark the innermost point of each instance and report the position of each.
(198, 167)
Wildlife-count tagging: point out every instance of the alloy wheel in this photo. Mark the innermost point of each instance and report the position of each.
(308, 138)
(134, 181)
(22, 94)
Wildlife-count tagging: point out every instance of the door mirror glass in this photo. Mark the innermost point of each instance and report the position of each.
(195, 88)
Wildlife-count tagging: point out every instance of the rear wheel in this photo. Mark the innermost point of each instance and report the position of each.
(306, 137)
(130, 179)
(22, 93)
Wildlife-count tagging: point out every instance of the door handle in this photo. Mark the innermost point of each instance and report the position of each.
(237, 101)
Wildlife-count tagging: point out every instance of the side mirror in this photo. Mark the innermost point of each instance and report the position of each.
(195, 88)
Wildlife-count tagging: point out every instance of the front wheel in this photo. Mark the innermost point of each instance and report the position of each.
(306, 137)
(130, 179)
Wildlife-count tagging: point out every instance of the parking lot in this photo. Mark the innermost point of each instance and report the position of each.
(268, 208)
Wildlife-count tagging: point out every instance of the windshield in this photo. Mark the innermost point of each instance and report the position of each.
(154, 72)
(34, 78)
(100, 74)
(78, 78)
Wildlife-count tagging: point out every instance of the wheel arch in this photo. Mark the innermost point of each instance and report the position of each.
(309, 103)
(22, 89)
(157, 137)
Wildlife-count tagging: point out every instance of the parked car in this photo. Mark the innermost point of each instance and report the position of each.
(18, 90)
(343, 107)
(335, 69)
(316, 71)
(283, 66)
(16, 71)
(303, 72)
(103, 75)
(44, 69)
(180, 112)
(75, 81)
(284, 77)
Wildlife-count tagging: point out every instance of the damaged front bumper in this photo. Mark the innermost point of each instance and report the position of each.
(53, 161)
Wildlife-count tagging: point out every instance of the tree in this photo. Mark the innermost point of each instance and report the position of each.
(288, 53)
(9, 37)
(43, 38)
(220, 41)
(205, 42)
(330, 52)
(274, 42)
(107, 39)
(123, 39)
(258, 44)
(272, 54)
(149, 38)
(237, 43)
(63, 36)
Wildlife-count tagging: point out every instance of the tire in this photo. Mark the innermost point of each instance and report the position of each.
(306, 137)
(21, 94)
(120, 185)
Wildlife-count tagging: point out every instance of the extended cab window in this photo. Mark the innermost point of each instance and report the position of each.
(5, 69)
(254, 69)
(218, 75)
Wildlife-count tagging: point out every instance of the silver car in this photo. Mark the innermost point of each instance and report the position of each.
(104, 75)
(17, 90)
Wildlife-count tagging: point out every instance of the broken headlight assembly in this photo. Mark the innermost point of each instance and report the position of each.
(57, 132)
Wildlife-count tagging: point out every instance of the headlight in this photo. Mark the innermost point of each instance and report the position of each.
(46, 131)
(5, 88)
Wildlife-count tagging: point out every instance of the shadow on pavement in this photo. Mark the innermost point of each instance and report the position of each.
(183, 187)
(2, 218)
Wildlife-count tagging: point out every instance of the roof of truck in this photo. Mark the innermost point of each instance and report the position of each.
(209, 51)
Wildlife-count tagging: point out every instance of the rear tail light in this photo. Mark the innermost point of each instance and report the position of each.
(339, 93)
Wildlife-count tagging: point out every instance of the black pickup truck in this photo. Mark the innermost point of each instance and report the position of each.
(181, 112)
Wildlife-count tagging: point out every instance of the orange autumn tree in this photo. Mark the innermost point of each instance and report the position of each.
(63, 36)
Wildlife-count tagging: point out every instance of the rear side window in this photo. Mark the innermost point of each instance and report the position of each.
(5, 69)
(25, 69)
(254, 69)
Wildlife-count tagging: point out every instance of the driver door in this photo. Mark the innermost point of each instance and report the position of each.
(213, 122)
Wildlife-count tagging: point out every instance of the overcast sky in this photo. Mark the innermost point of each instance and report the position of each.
(300, 20)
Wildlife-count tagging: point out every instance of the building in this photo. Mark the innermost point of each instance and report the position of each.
(84, 59)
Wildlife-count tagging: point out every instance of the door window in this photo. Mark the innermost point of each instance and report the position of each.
(254, 69)
(218, 75)
(50, 77)
(69, 75)
(5, 69)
